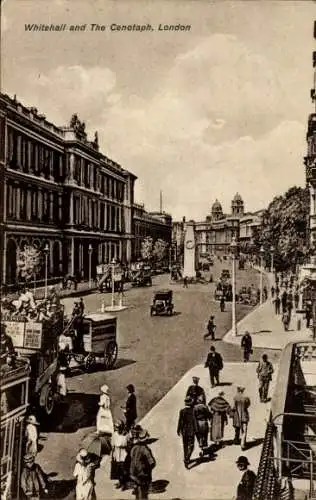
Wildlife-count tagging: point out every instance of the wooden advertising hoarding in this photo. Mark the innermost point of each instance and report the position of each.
(25, 335)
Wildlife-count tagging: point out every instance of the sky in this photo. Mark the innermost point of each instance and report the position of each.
(199, 114)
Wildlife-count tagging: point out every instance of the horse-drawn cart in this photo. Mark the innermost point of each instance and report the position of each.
(94, 340)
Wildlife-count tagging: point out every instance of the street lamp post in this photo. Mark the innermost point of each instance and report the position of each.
(233, 247)
(112, 276)
(90, 256)
(261, 274)
(46, 252)
(272, 255)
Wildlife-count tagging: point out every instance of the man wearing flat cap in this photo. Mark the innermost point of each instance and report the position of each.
(195, 391)
(187, 429)
(246, 485)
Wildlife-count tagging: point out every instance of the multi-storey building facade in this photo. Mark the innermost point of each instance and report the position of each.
(214, 235)
(158, 225)
(310, 160)
(61, 192)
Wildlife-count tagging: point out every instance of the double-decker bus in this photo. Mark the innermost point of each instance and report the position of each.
(14, 403)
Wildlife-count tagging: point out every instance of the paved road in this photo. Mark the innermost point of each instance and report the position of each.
(154, 353)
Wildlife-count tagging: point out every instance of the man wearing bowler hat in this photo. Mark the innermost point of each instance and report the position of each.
(246, 485)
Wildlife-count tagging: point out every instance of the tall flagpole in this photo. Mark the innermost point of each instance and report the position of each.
(161, 202)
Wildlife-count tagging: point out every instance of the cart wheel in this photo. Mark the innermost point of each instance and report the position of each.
(47, 399)
(89, 362)
(110, 355)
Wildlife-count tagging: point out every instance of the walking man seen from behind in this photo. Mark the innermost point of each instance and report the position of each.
(264, 372)
(195, 391)
(240, 416)
(246, 345)
(214, 363)
(187, 430)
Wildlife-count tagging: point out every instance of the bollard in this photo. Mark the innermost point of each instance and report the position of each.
(102, 307)
(299, 325)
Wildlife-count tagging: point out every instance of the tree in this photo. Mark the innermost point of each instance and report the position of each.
(284, 226)
(160, 249)
(30, 262)
(147, 248)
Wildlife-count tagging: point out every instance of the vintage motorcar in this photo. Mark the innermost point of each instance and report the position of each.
(244, 296)
(143, 277)
(162, 303)
(225, 273)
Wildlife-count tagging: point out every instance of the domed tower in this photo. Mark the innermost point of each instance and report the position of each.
(237, 205)
(217, 211)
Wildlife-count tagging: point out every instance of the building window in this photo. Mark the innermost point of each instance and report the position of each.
(34, 205)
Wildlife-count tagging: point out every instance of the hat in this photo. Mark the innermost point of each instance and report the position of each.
(139, 433)
(221, 393)
(31, 419)
(130, 387)
(240, 388)
(82, 455)
(105, 389)
(63, 368)
(195, 378)
(119, 424)
(242, 460)
(187, 400)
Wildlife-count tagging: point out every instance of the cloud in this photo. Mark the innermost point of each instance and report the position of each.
(218, 124)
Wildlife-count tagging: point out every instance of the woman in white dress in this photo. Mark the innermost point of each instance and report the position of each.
(84, 473)
(104, 416)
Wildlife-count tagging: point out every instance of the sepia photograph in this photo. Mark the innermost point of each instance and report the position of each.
(158, 249)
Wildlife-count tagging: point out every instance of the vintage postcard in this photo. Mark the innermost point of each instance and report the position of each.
(158, 249)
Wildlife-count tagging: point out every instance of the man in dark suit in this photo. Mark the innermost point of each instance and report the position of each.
(195, 391)
(187, 430)
(214, 363)
(130, 407)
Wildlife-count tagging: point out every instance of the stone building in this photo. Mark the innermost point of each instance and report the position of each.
(158, 225)
(214, 235)
(61, 192)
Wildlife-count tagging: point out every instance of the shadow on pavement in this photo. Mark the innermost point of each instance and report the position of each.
(64, 489)
(253, 443)
(80, 411)
(159, 486)
(121, 363)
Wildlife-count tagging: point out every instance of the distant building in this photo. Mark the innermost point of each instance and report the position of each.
(158, 225)
(60, 190)
(214, 234)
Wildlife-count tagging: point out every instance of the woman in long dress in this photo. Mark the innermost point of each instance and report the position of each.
(84, 472)
(104, 416)
(219, 408)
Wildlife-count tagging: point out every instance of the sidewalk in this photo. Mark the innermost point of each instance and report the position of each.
(266, 329)
(215, 479)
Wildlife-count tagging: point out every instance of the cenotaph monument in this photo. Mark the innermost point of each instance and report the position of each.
(189, 250)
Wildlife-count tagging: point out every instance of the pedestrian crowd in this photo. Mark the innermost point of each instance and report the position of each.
(285, 294)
